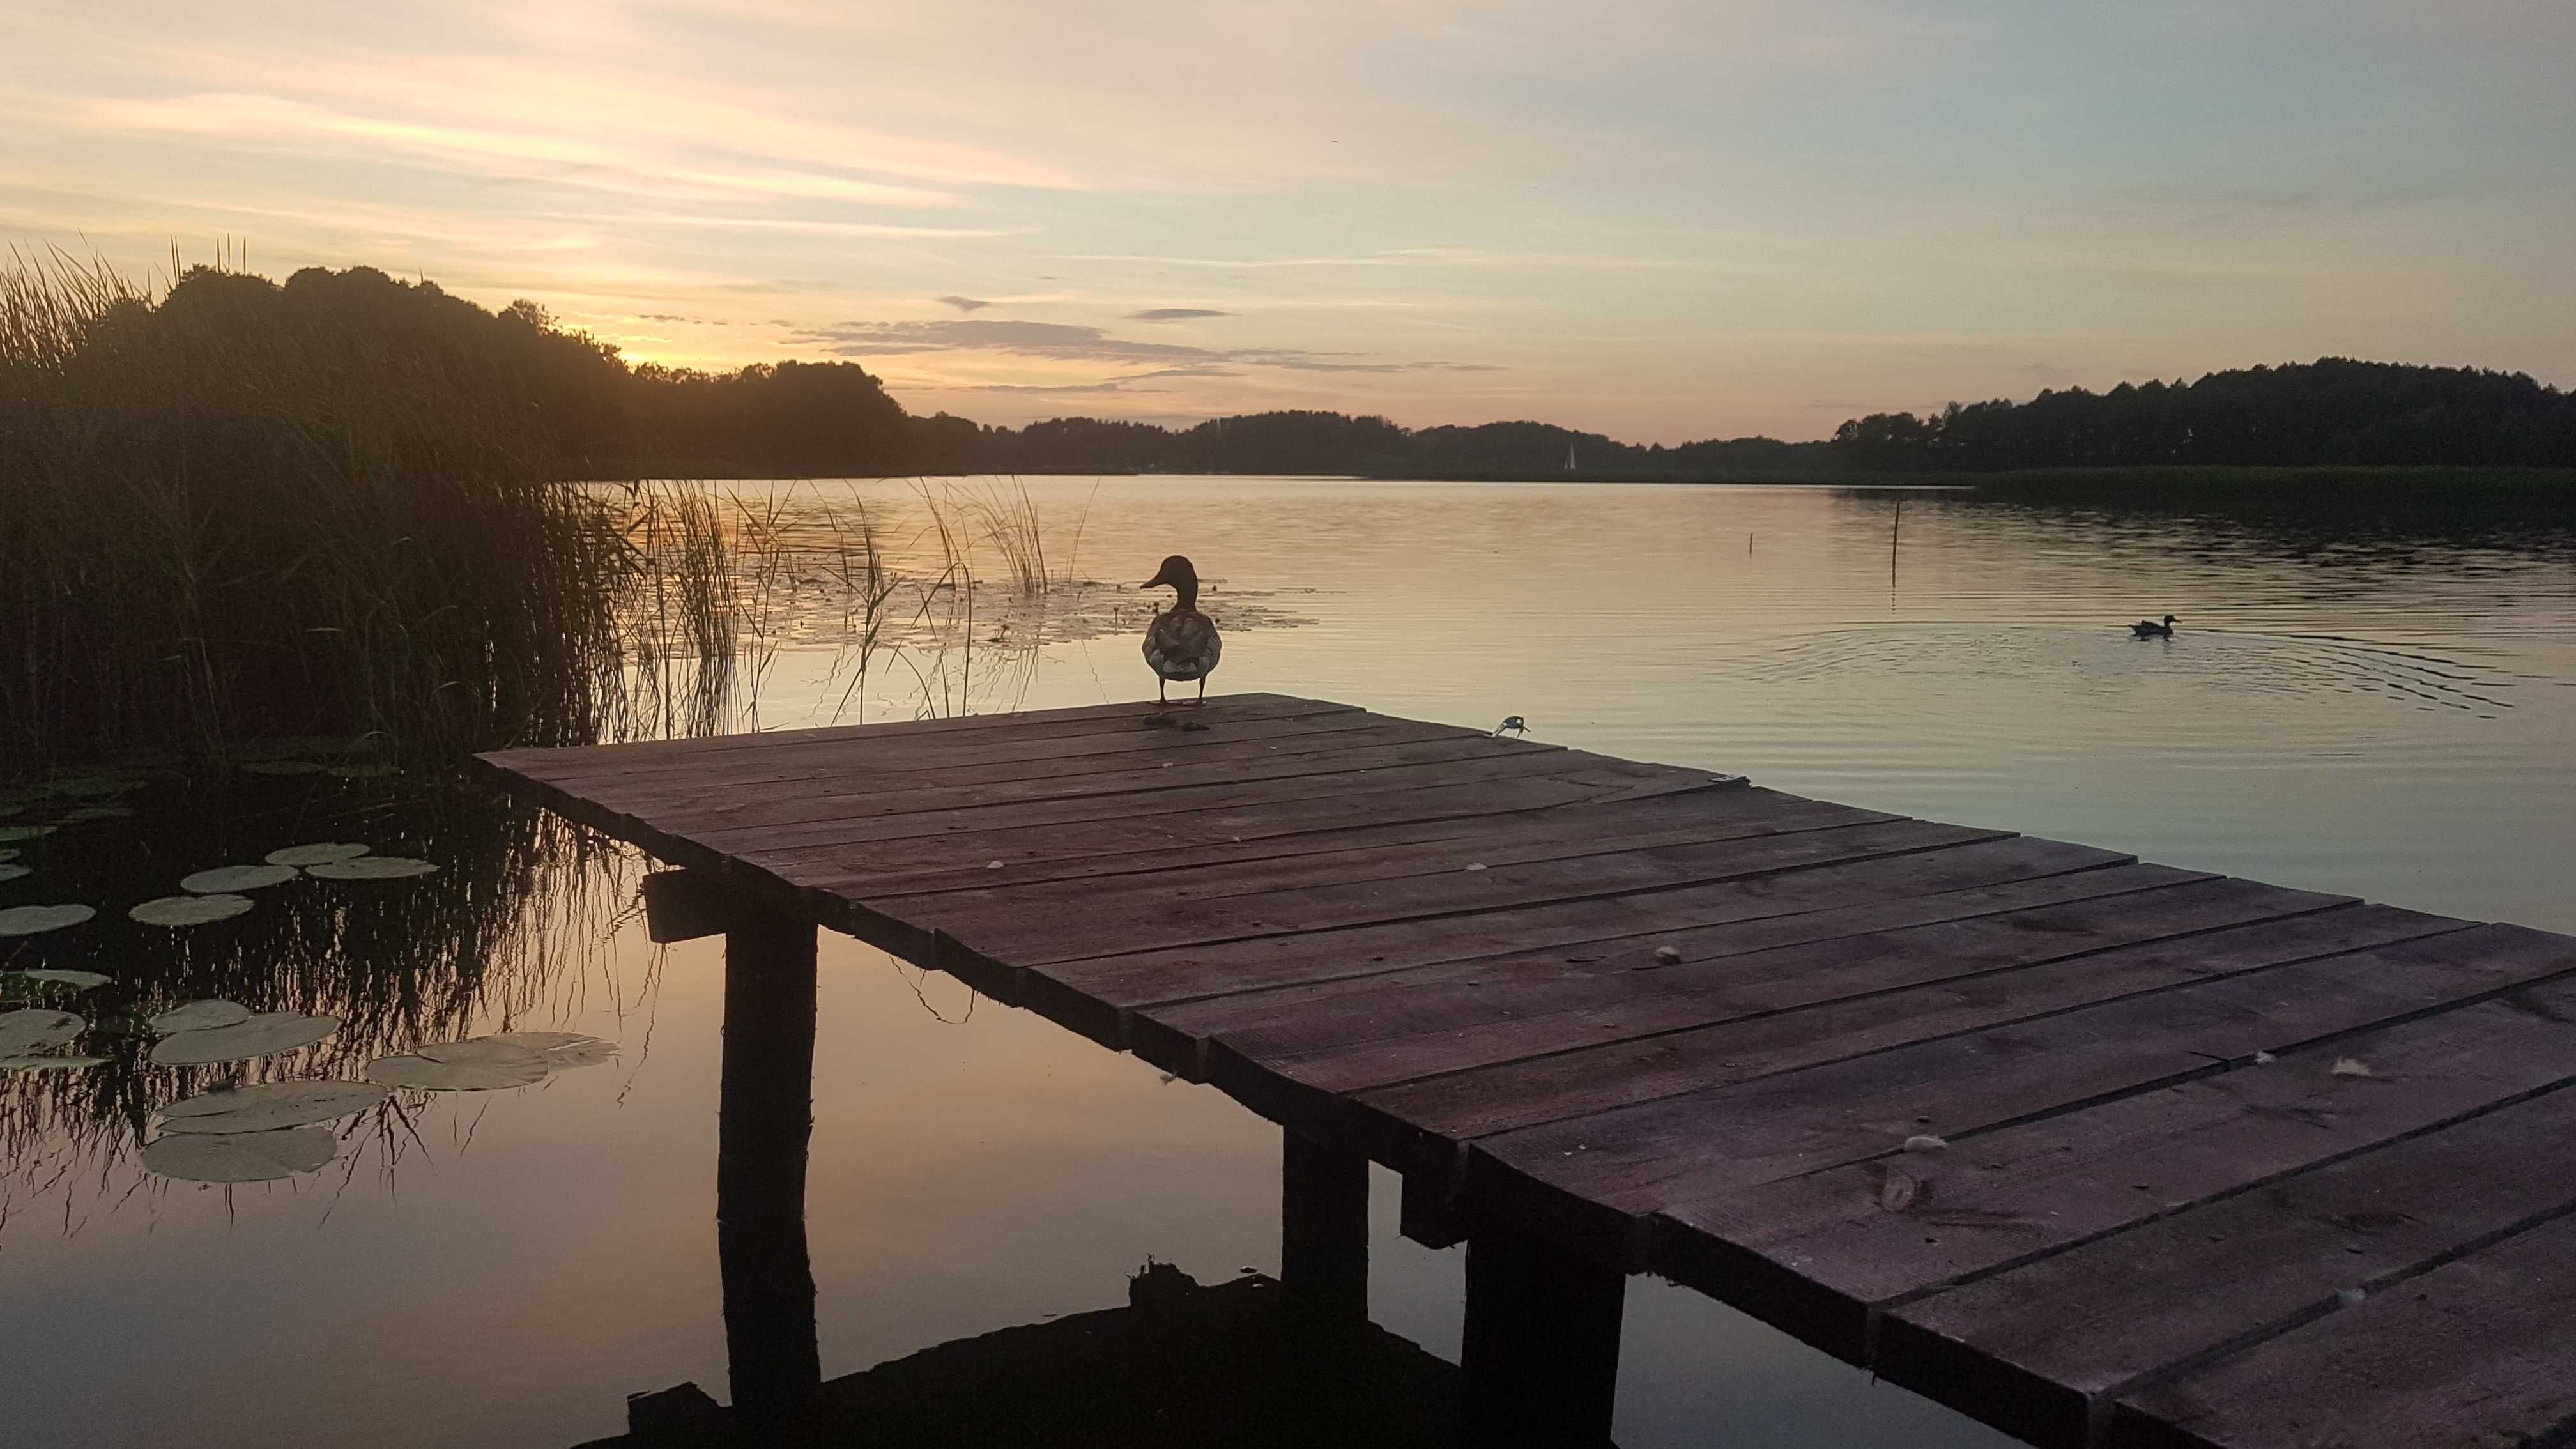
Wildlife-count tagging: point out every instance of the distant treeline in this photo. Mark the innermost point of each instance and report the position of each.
(2333, 412)
(598, 416)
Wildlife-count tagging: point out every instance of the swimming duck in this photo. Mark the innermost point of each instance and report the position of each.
(1181, 643)
(2150, 629)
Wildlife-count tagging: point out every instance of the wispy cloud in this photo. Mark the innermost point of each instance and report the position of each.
(1174, 314)
(1069, 342)
(964, 304)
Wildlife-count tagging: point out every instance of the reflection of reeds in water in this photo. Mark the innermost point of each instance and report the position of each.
(506, 935)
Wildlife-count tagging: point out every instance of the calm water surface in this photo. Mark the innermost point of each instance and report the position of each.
(2387, 711)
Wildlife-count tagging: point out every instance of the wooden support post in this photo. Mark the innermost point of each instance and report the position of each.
(1541, 1344)
(765, 1120)
(1324, 1231)
(1430, 1210)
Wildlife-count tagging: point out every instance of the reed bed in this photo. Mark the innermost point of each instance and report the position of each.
(232, 509)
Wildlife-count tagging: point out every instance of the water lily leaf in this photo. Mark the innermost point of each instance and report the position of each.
(46, 1063)
(267, 1108)
(85, 814)
(10, 852)
(36, 1027)
(366, 772)
(240, 1156)
(481, 1051)
(469, 1076)
(90, 786)
(176, 911)
(323, 853)
(263, 1035)
(228, 878)
(200, 1016)
(13, 872)
(280, 767)
(24, 832)
(563, 1051)
(371, 867)
(28, 920)
(76, 980)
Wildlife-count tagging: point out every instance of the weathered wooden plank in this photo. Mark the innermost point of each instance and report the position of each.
(1510, 813)
(862, 767)
(2477, 1354)
(1593, 1178)
(743, 821)
(1070, 850)
(1819, 1254)
(1260, 793)
(571, 762)
(1173, 1036)
(1457, 1026)
(1039, 936)
(1129, 981)
(1410, 1120)
(1706, 818)
(2055, 1337)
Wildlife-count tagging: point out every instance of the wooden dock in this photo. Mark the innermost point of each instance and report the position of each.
(2098, 1151)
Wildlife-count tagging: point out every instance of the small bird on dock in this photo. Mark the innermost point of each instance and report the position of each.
(1182, 643)
(2150, 629)
(1511, 725)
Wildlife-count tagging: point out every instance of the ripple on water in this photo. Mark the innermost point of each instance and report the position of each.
(2094, 660)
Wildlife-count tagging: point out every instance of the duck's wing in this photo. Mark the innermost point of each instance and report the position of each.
(1182, 646)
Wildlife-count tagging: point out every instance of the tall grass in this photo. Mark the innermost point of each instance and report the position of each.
(232, 509)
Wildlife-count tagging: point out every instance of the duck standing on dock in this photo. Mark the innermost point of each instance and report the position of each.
(1181, 643)
(2150, 629)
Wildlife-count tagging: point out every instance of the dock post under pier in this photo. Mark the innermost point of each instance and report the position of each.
(765, 1121)
(1324, 1231)
(1541, 1347)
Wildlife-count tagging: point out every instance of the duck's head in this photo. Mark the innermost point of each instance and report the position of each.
(2169, 619)
(1176, 574)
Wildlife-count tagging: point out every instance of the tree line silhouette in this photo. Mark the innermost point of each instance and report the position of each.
(595, 415)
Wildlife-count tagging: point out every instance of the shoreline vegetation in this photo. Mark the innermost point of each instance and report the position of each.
(236, 509)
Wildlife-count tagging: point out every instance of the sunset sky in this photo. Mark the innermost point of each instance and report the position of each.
(1658, 220)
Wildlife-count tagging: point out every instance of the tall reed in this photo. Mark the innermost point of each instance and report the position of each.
(234, 508)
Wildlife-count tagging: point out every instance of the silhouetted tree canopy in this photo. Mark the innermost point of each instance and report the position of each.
(2331, 412)
(597, 416)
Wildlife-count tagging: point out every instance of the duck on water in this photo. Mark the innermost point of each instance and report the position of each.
(2150, 629)
(1181, 644)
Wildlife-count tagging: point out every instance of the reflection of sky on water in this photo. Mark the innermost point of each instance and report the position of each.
(2353, 716)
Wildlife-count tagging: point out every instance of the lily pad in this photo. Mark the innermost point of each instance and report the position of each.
(372, 867)
(224, 879)
(200, 1016)
(175, 911)
(9, 852)
(46, 1063)
(366, 772)
(280, 767)
(14, 872)
(76, 980)
(35, 1028)
(90, 786)
(84, 814)
(24, 832)
(525, 1069)
(270, 1107)
(28, 920)
(263, 1035)
(322, 853)
(563, 1051)
(481, 1051)
(241, 1156)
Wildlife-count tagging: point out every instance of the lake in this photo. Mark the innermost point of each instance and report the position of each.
(2373, 706)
